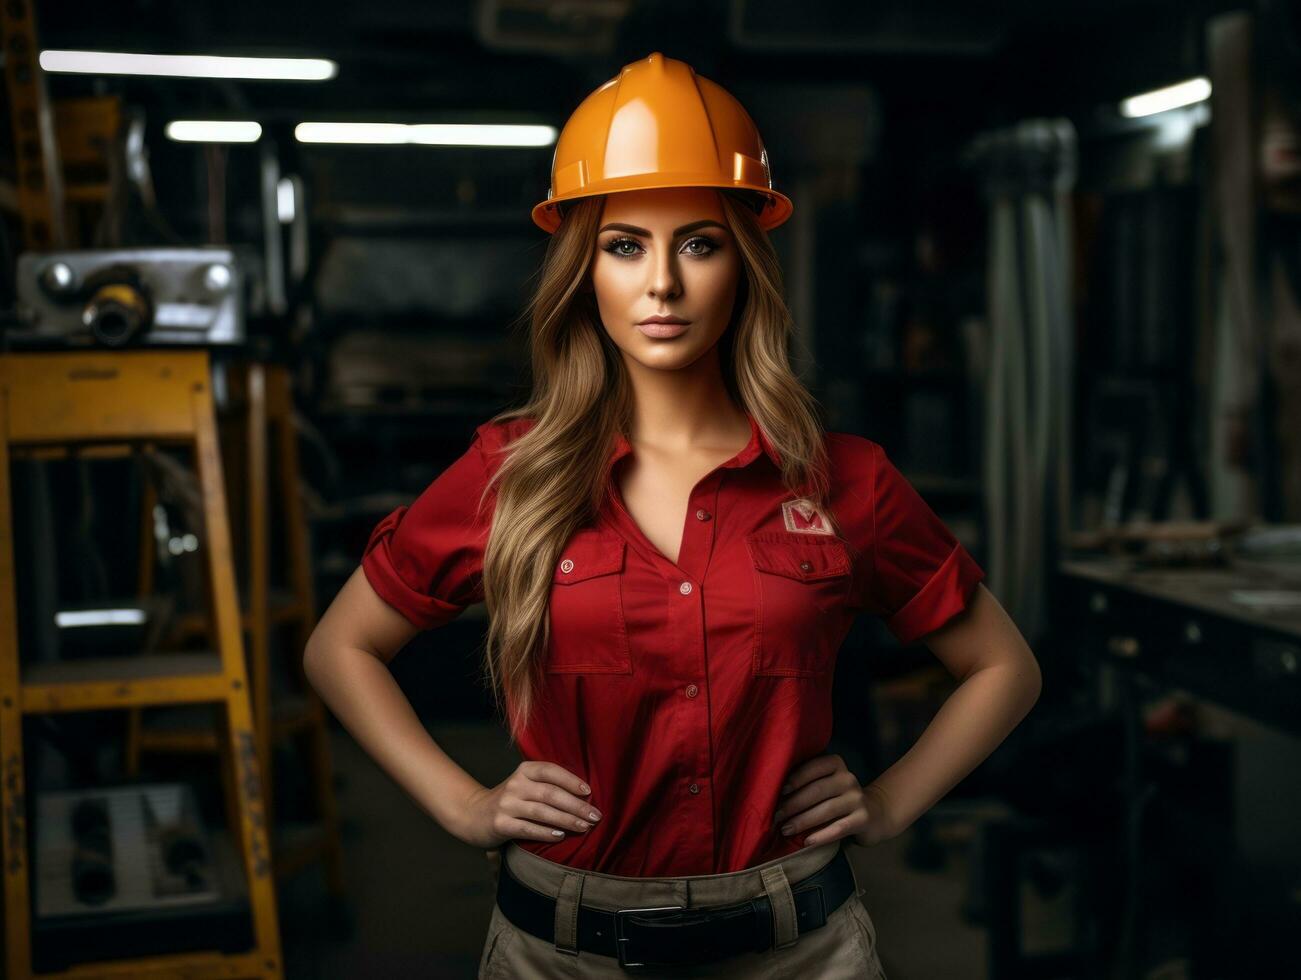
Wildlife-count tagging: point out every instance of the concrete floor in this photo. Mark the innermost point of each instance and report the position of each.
(419, 900)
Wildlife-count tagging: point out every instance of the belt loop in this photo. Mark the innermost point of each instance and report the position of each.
(567, 901)
(785, 929)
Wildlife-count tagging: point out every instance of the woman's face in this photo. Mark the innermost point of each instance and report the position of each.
(665, 251)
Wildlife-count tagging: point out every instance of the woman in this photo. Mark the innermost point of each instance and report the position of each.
(671, 551)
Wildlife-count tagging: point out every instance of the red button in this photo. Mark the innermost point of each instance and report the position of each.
(702, 515)
(692, 690)
(806, 566)
(694, 788)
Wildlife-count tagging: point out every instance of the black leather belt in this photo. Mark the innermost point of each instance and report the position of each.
(674, 935)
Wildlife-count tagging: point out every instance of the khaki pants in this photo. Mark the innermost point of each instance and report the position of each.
(843, 948)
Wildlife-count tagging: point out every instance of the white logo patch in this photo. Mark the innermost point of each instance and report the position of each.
(801, 515)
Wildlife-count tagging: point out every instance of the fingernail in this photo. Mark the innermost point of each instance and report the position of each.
(788, 829)
(558, 833)
(594, 815)
(584, 788)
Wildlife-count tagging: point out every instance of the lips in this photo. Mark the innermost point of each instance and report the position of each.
(663, 325)
(662, 330)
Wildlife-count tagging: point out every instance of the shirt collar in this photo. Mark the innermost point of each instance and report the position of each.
(758, 443)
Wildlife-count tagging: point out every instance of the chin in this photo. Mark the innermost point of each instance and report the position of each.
(668, 359)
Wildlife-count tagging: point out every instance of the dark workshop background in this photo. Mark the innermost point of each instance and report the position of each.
(1076, 328)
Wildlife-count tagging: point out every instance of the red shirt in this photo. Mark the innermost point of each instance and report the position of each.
(684, 693)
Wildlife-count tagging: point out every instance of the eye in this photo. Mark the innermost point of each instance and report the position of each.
(614, 247)
(704, 240)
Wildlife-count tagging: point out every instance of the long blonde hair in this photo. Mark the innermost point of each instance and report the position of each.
(552, 480)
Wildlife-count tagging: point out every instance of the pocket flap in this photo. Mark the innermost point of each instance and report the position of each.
(807, 558)
(587, 555)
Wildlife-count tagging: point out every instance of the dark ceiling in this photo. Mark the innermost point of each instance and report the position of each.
(521, 56)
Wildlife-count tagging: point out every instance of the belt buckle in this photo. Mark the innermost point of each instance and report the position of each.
(620, 940)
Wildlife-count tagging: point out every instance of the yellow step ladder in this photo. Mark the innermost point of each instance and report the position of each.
(106, 403)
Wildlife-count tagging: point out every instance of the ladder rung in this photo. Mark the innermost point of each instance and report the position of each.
(91, 450)
(118, 682)
(183, 742)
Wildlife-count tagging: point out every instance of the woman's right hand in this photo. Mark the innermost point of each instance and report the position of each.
(538, 801)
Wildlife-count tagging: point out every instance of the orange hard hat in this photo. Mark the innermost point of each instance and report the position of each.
(659, 124)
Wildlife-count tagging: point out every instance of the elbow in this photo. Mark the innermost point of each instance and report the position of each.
(313, 654)
(1034, 682)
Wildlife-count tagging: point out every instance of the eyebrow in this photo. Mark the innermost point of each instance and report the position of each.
(633, 229)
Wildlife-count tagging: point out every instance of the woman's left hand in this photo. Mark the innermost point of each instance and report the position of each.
(822, 793)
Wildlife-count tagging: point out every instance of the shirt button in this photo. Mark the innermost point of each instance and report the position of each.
(694, 788)
(702, 515)
(566, 566)
(692, 690)
(806, 566)
(685, 588)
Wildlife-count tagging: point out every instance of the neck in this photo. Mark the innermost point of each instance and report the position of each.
(678, 411)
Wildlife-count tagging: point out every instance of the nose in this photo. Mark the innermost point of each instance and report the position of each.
(664, 275)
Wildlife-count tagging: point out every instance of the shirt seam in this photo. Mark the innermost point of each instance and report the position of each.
(388, 556)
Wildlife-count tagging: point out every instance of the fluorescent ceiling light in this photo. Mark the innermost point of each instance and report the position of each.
(427, 134)
(189, 65)
(99, 617)
(1171, 97)
(441, 134)
(213, 131)
(318, 132)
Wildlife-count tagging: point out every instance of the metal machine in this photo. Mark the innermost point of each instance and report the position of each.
(139, 297)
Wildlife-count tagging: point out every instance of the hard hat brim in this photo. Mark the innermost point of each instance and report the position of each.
(777, 209)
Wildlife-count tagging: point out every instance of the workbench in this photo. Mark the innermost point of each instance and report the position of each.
(1230, 634)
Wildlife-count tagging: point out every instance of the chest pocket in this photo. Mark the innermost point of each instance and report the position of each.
(588, 632)
(801, 586)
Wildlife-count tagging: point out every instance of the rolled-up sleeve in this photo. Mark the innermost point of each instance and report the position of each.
(921, 575)
(426, 559)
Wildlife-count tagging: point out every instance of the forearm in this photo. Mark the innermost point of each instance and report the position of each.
(971, 723)
(361, 691)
